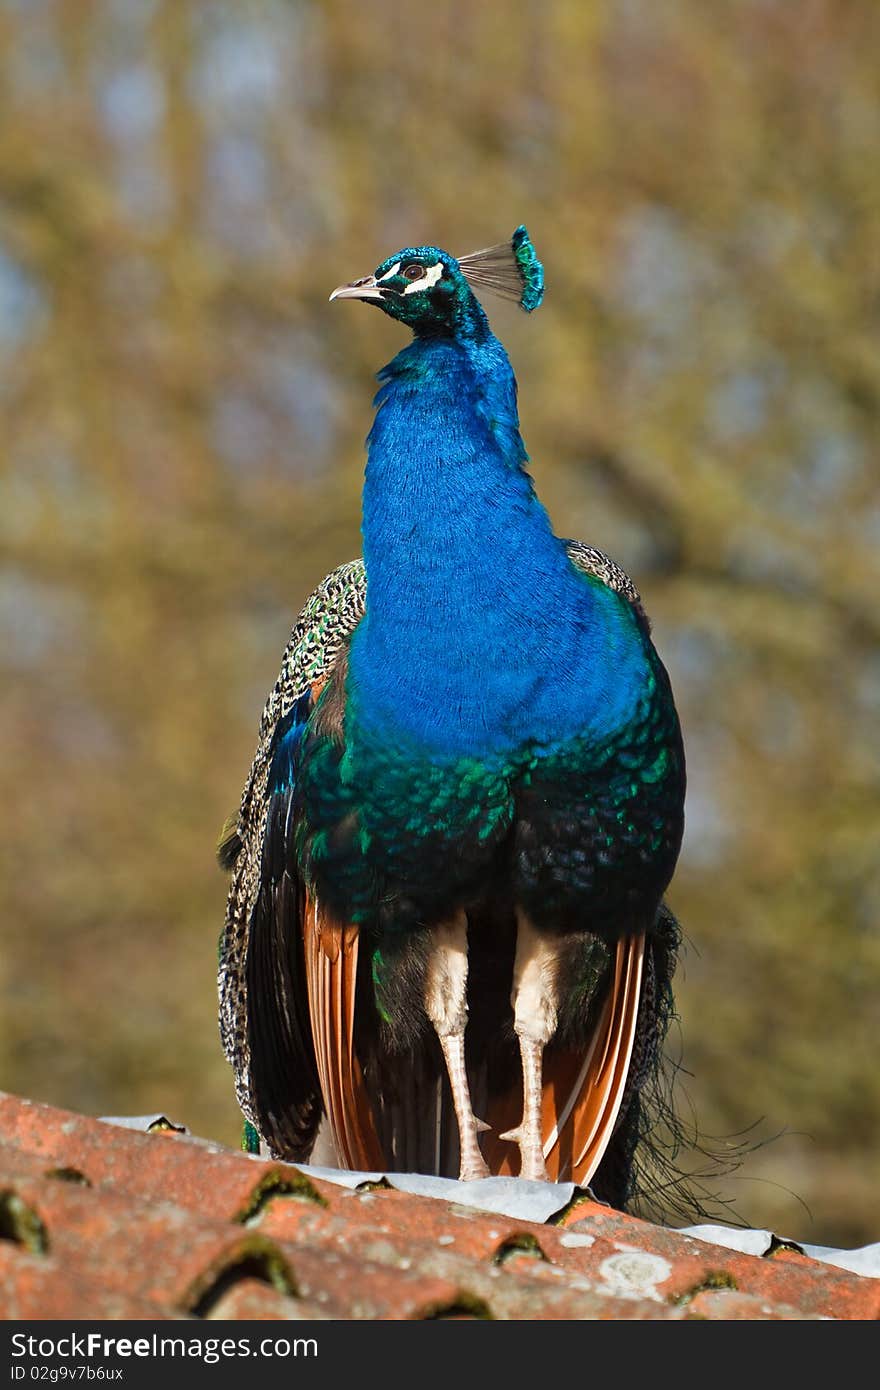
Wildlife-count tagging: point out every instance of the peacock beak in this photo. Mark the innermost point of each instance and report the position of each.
(367, 288)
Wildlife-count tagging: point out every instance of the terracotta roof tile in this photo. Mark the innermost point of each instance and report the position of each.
(101, 1221)
(220, 1183)
(35, 1287)
(248, 1300)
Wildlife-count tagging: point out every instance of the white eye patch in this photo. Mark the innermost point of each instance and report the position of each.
(431, 276)
(389, 273)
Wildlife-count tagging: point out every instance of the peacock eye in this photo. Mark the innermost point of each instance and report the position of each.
(413, 271)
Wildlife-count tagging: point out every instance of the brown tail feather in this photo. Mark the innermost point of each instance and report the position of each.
(331, 956)
(594, 1117)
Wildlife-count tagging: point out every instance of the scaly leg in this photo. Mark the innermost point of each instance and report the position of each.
(534, 999)
(446, 1007)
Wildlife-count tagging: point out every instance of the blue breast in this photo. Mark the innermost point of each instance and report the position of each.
(480, 636)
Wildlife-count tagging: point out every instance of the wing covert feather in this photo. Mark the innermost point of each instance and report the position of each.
(264, 1018)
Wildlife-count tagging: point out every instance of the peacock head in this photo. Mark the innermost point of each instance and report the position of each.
(433, 293)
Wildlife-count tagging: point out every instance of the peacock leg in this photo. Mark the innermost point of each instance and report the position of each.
(534, 999)
(446, 1007)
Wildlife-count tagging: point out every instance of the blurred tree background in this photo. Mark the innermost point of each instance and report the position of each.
(181, 185)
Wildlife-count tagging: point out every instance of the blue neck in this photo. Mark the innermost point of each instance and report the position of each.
(479, 634)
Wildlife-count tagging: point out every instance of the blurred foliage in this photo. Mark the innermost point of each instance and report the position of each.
(181, 185)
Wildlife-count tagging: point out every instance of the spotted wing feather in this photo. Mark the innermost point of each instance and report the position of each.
(264, 1018)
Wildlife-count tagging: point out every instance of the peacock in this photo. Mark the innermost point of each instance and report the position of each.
(446, 935)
